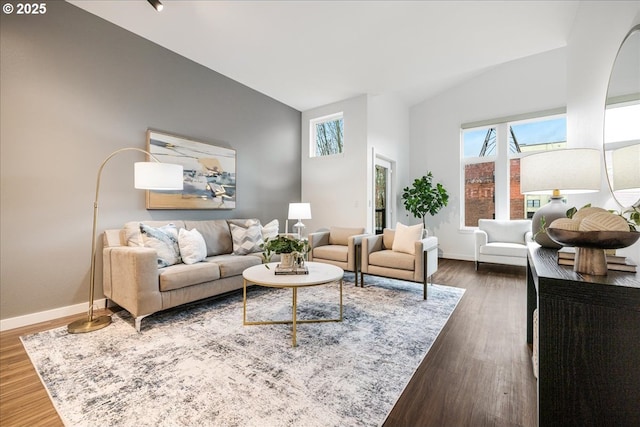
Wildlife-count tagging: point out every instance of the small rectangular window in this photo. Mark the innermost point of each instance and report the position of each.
(327, 135)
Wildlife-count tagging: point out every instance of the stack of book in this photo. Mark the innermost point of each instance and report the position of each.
(567, 255)
(292, 270)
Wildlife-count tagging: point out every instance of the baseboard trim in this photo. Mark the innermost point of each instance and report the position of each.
(47, 315)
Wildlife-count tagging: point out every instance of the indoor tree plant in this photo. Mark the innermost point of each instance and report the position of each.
(423, 198)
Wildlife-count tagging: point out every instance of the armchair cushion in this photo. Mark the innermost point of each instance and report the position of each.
(332, 252)
(392, 259)
(340, 235)
(406, 237)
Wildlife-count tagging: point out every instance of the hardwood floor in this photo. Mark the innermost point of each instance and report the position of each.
(478, 372)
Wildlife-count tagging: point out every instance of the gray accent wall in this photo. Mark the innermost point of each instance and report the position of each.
(74, 88)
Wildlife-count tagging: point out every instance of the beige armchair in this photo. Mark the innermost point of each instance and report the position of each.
(339, 246)
(379, 259)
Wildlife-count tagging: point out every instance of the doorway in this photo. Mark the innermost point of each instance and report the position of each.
(383, 208)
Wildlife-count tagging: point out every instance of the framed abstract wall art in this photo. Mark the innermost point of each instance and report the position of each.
(209, 173)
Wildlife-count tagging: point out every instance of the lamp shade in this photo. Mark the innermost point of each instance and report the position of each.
(626, 168)
(570, 171)
(299, 211)
(158, 176)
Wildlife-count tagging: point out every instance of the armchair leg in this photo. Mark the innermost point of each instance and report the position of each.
(424, 292)
(361, 279)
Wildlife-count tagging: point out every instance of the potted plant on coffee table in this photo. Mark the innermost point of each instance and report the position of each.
(291, 250)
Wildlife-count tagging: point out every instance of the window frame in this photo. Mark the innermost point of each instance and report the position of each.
(313, 135)
(501, 157)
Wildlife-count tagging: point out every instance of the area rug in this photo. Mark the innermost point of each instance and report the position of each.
(199, 366)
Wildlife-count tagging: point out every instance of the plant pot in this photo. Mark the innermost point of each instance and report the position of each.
(286, 260)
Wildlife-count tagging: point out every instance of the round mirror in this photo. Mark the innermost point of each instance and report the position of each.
(622, 123)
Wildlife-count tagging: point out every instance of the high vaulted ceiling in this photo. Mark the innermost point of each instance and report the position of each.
(312, 53)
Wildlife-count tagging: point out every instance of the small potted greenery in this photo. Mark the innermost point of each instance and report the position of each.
(290, 248)
(423, 198)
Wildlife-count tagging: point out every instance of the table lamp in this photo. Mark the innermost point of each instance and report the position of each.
(147, 176)
(299, 211)
(570, 171)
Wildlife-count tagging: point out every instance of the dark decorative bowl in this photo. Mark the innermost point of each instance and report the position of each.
(593, 239)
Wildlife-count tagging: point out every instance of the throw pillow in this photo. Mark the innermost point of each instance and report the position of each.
(193, 248)
(406, 237)
(270, 230)
(246, 240)
(164, 240)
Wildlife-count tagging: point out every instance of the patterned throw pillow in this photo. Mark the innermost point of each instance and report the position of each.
(246, 240)
(164, 240)
(192, 246)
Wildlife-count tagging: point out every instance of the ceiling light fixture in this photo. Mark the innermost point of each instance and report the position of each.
(156, 4)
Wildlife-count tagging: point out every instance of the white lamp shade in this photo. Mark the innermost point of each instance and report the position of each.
(299, 211)
(570, 171)
(158, 176)
(626, 168)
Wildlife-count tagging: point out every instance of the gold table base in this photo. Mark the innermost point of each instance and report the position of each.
(294, 314)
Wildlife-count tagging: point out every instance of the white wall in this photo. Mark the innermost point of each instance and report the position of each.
(340, 187)
(388, 138)
(575, 77)
(336, 185)
(535, 83)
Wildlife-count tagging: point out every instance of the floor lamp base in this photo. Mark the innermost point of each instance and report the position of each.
(84, 325)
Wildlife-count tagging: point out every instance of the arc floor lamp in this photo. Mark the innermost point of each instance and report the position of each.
(150, 175)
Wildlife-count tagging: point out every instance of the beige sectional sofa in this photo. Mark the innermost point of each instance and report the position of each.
(143, 274)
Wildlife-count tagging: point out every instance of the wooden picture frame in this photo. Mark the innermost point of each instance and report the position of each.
(209, 173)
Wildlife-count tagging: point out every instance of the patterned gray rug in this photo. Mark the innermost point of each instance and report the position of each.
(199, 366)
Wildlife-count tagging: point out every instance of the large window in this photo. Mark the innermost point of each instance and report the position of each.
(327, 135)
(491, 165)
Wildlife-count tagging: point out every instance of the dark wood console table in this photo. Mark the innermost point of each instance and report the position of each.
(589, 343)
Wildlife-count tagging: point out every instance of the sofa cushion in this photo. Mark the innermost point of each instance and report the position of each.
(133, 236)
(216, 235)
(340, 235)
(233, 265)
(164, 240)
(192, 246)
(331, 252)
(392, 259)
(504, 249)
(505, 231)
(270, 229)
(183, 275)
(246, 240)
(406, 238)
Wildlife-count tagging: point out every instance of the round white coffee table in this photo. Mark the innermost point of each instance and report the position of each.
(319, 274)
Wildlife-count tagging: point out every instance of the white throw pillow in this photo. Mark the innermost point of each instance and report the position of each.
(270, 230)
(164, 240)
(406, 237)
(246, 240)
(192, 246)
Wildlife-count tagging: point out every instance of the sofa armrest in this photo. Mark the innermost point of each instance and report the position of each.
(130, 279)
(528, 237)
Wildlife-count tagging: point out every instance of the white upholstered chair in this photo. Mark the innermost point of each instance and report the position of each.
(502, 241)
(380, 259)
(339, 246)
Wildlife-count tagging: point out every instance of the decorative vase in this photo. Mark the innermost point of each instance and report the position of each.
(286, 260)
